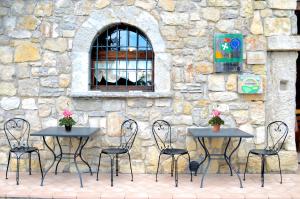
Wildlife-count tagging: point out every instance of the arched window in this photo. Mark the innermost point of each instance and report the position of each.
(122, 59)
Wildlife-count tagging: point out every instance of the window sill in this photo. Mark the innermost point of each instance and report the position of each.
(130, 94)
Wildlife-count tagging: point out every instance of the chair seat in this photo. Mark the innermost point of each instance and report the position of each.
(114, 150)
(263, 152)
(174, 151)
(23, 149)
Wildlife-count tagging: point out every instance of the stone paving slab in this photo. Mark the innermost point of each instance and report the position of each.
(223, 186)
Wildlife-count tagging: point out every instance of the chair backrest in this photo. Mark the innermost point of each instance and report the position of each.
(277, 132)
(17, 132)
(161, 130)
(129, 129)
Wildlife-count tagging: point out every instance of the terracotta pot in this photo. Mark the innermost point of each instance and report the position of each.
(68, 128)
(216, 128)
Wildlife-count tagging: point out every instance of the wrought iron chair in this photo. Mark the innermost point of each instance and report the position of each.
(161, 130)
(276, 134)
(17, 132)
(129, 130)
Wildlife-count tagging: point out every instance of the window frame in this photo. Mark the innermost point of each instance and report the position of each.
(122, 55)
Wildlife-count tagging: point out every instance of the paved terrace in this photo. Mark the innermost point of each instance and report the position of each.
(66, 185)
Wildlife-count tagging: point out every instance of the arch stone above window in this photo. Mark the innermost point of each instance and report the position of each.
(99, 21)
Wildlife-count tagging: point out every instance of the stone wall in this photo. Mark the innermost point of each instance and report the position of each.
(38, 41)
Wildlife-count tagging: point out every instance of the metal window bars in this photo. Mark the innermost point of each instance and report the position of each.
(122, 59)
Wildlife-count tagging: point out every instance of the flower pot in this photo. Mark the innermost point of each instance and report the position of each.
(68, 128)
(216, 128)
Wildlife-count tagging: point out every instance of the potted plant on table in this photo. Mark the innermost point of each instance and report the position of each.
(67, 120)
(216, 121)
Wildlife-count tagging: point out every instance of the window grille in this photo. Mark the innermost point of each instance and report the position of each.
(122, 59)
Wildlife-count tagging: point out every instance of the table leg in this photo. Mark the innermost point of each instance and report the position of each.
(207, 155)
(80, 155)
(60, 154)
(54, 159)
(226, 158)
(76, 154)
(229, 161)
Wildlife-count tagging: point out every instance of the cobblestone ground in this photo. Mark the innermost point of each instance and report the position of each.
(66, 185)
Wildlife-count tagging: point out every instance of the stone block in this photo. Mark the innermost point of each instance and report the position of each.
(259, 5)
(282, 4)
(256, 27)
(113, 105)
(223, 3)
(211, 14)
(216, 83)
(51, 81)
(64, 102)
(28, 22)
(7, 72)
(255, 43)
(258, 57)
(204, 68)
(114, 122)
(231, 83)
(240, 116)
(257, 113)
(147, 5)
(9, 103)
(29, 103)
(187, 108)
(283, 43)
(168, 5)
(101, 4)
(222, 96)
(49, 122)
(32, 117)
(277, 26)
(163, 102)
(44, 110)
(26, 51)
(260, 135)
(172, 19)
(43, 8)
(246, 9)
(51, 92)
(6, 54)
(139, 103)
(225, 25)
(7, 88)
(57, 45)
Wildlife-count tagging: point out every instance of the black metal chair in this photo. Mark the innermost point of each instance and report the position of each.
(129, 130)
(161, 130)
(276, 134)
(17, 132)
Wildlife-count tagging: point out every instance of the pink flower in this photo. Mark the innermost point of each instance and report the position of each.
(67, 113)
(216, 113)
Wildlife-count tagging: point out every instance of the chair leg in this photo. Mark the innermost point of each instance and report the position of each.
(191, 171)
(112, 171)
(279, 169)
(29, 154)
(17, 174)
(157, 166)
(99, 166)
(263, 160)
(117, 165)
(246, 166)
(130, 166)
(172, 166)
(7, 165)
(176, 172)
(40, 164)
